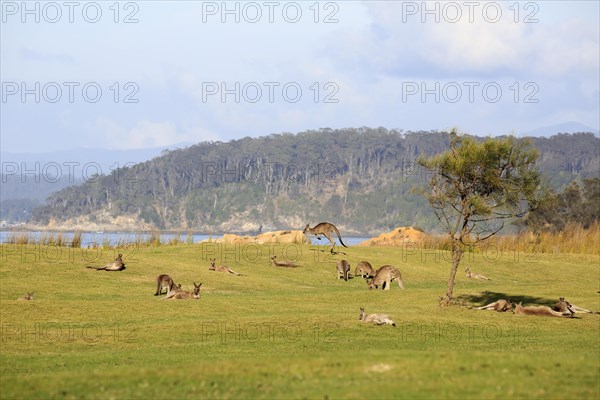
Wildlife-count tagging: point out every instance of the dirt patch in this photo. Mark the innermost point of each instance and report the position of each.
(286, 236)
(398, 237)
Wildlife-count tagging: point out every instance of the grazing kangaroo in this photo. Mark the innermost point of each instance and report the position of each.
(543, 311)
(384, 277)
(325, 229)
(164, 281)
(377, 319)
(29, 296)
(499, 305)
(563, 305)
(474, 275)
(287, 264)
(183, 294)
(364, 269)
(116, 265)
(343, 269)
(221, 268)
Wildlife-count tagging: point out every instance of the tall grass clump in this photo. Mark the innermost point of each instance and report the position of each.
(190, 237)
(76, 241)
(175, 240)
(154, 239)
(20, 238)
(573, 239)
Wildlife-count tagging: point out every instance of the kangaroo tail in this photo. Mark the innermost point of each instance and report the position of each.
(339, 236)
(96, 268)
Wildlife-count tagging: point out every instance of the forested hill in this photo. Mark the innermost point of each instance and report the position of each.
(360, 179)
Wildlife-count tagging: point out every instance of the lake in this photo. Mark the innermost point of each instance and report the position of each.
(90, 239)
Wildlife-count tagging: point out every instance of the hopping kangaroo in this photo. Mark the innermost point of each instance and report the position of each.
(364, 269)
(377, 319)
(384, 277)
(276, 263)
(29, 296)
(343, 269)
(325, 229)
(543, 311)
(164, 281)
(116, 265)
(474, 275)
(183, 294)
(221, 268)
(563, 305)
(500, 306)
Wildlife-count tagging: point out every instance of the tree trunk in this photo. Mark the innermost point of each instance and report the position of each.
(457, 253)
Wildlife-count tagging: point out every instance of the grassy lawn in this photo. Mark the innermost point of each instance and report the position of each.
(291, 333)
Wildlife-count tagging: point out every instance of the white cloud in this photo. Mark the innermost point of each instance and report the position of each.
(145, 134)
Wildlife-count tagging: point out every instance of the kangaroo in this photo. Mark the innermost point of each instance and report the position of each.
(276, 263)
(499, 305)
(221, 268)
(164, 281)
(116, 265)
(563, 305)
(343, 269)
(377, 319)
(540, 310)
(183, 294)
(29, 296)
(364, 269)
(325, 229)
(474, 275)
(384, 277)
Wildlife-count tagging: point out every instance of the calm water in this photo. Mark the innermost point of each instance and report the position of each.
(89, 239)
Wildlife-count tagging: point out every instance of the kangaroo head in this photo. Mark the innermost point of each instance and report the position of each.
(212, 263)
(197, 288)
(370, 283)
(30, 295)
(362, 314)
(307, 228)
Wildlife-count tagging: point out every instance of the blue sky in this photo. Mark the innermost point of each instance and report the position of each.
(197, 74)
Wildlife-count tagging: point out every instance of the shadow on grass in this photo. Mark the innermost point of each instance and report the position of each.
(488, 297)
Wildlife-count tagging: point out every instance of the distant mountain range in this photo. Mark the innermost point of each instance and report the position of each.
(75, 160)
(565, 127)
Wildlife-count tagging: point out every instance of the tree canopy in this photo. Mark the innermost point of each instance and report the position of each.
(476, 187)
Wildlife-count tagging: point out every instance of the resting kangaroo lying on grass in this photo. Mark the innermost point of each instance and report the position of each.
(563, 305)
(221, 268)
(377, 319)
(543, 311)
(474, 275)
(183, 294)
(116, 265)
(499, 305)
(287, 264)
(29, 296)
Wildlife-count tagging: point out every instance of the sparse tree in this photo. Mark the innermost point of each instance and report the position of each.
(475, 187)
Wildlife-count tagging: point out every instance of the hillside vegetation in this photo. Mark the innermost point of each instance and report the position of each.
(362, 179)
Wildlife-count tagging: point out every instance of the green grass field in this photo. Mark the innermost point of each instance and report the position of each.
(291, 333)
